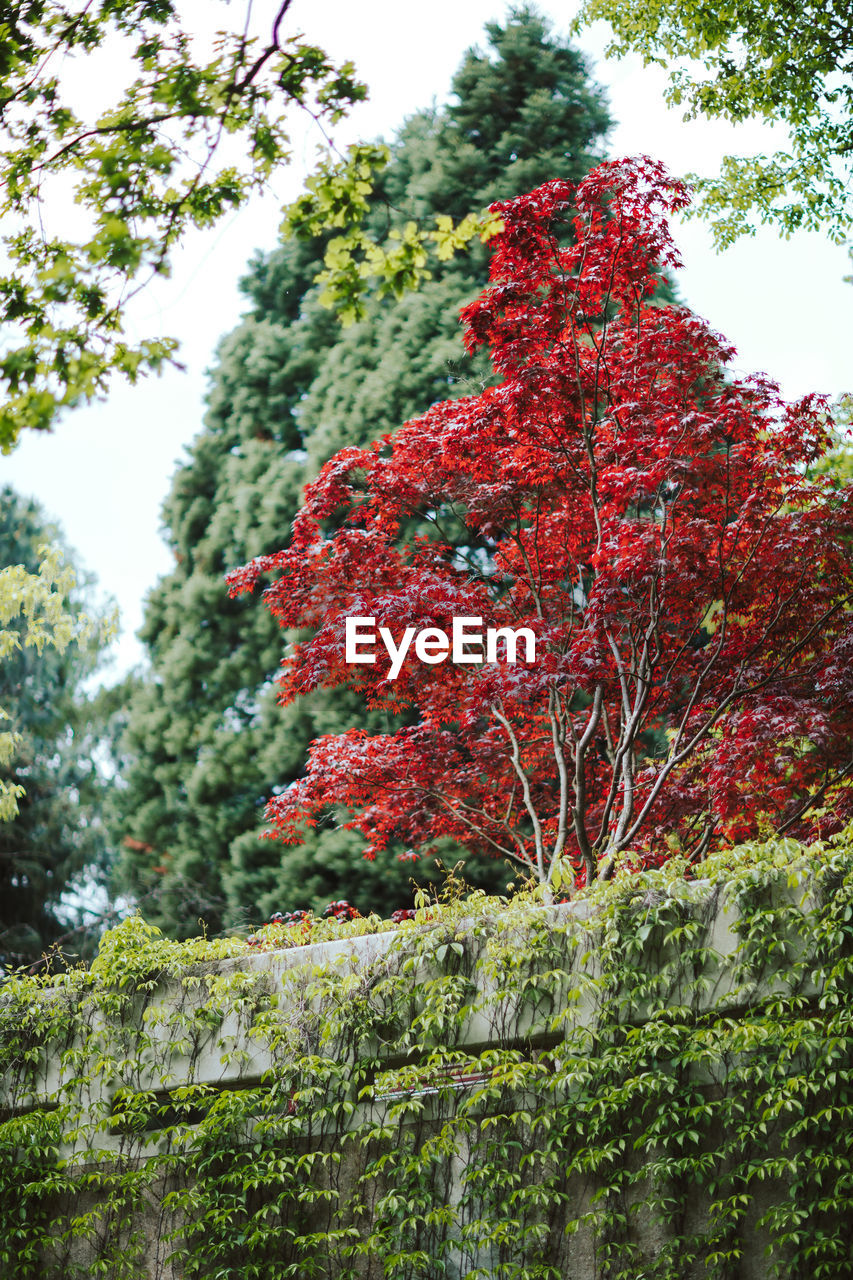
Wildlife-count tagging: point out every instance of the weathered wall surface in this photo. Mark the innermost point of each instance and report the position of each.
(634, 1089)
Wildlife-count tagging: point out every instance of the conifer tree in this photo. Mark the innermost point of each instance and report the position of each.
(207, 744)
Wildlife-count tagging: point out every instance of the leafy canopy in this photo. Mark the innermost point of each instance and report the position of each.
(34, 614)
(186, 140)
(784, 63)
(54, 752)
(338, 196)
(647, 515)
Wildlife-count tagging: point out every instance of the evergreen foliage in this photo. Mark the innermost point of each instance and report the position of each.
(207, 743)
(57, 833)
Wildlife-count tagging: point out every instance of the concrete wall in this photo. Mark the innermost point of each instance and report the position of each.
(148, 1052)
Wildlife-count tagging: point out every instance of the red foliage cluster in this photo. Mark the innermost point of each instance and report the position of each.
(342, 910)
(303, 920)
(647, 514)
(287, 919)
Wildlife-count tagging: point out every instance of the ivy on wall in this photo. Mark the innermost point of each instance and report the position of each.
(654, 1084)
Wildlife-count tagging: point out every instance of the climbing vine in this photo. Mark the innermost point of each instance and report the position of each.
(654, 1081)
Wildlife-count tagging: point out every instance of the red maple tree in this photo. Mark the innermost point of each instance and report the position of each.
(647, 515)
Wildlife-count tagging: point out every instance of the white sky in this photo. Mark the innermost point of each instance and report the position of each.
(105, 471)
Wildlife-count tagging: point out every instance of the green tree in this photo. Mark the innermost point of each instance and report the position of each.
(56, 836)
(144, 167)
(207, 744)
(32, 615)
(141, 166)
(784, 63)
